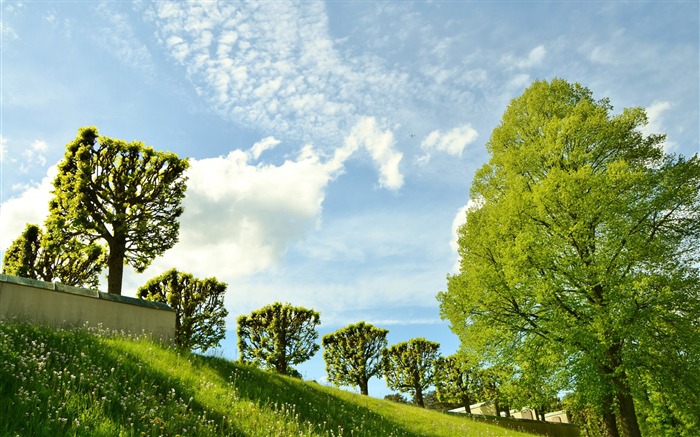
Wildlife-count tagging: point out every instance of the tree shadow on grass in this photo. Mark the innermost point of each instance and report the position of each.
(315, 405)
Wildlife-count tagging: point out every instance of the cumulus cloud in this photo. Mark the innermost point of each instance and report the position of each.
(451, 142)
(35, 153)
(460, 220)
(380, 145)
(263, 145)
(533, 59)
(240, 217)
(655, 117)
(30, 206)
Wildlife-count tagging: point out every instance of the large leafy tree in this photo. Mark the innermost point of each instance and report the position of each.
(278, 337)
(353, 354)
(584, 242)
(200, 321)
(48, 256)
(410, 367)
(125, 194)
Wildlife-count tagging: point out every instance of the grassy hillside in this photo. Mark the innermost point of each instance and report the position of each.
(72, 382)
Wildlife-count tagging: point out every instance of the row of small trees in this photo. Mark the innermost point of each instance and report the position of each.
(280, 336)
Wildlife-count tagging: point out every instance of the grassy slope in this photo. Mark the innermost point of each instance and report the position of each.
(75, 383)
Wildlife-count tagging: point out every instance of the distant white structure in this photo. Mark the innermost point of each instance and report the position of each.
(558, 417)
(489, 409)
(483, 408)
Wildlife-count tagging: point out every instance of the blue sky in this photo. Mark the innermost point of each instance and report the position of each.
(332, 145)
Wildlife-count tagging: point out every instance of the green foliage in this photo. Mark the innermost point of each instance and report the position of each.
(396, 397)
(74, 383)
(583, 245)
(50, 257)
(409, 367)
(456, 381)
(125, 194)
(353, 354)
(200, 321)
(278, 337)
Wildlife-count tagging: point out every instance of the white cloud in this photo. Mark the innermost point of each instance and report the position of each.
(451, 142)
(655, 117)
(533, 59)
(3, 148)
(240, 218)
(8, 34)
(460, 220)
(119, 39)
(380, 145)
(31, 206)
(263, 145)
(285, 78)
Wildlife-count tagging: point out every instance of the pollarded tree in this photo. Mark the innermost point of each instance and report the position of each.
(353, 354)
(455, 381)
(278, 337)
(47, 256)
(585, 238)
(200, 321)
(410, 367)
(125, 194)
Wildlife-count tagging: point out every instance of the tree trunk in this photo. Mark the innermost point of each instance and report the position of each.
(419, 397)
(363, 387)
(115, 266)
(465, 402)
(628, 414)
(609, 421)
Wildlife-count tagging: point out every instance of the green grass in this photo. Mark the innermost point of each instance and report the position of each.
(79, 383)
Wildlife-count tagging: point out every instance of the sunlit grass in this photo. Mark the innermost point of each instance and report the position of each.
(79, 383)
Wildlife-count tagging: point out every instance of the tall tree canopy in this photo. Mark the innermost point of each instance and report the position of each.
(48, 256)
(410, 367)
(278, 337)
(584, 243)
(126, 194)
(200, 321)
(353, 354)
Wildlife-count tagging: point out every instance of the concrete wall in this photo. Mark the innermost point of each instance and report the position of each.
(61, 305)
(485, 408)
(557, 417)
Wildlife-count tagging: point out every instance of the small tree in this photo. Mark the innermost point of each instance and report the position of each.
(409, 367)
(353, 354)
(278, 337)
(47, 256)
(455, 381)
(125, 194)
(200, 321)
